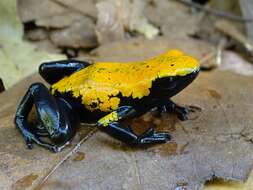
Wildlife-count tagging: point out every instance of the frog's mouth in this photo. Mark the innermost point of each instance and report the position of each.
(184, 81)
(170, 86)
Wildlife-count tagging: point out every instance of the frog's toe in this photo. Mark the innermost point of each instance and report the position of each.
(55, 149)
(28, 137)
(163, 135)
(150, 136)
(182, 113)
(29, 143)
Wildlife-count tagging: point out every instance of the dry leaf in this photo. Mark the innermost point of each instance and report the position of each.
(114, 17)
(61, 20)
(137, 49)
(209, 145)
(80, 34)
(30, 10)
(17, 58)
(206, 29)
(215, 142)
(109, 24)
(233, 62)
(19, 166)
(174, 19)
(247, 11)
(230, 185)
(86, 7)
(37, 34)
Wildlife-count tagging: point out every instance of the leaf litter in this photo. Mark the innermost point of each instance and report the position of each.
(17, 58)
(202, 149)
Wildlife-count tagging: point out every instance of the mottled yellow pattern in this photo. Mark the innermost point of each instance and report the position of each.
(106, 120)
(98, 84)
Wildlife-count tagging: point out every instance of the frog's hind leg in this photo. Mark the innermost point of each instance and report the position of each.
(56, 70)
(55, 119)
(110, 124)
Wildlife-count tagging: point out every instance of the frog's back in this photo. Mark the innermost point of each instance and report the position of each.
(102, 85)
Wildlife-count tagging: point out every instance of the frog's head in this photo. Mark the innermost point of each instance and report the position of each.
(176, 71)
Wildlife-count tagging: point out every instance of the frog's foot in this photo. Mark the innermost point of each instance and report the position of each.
(150, 136)
(126, 135)
(182, 112)
(170, 106)
(31, 138)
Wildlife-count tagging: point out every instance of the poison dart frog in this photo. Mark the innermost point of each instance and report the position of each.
(105, 93)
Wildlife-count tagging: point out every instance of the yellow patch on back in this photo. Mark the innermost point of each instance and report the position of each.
(100, 83)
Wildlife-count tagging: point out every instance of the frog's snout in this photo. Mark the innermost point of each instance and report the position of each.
(184, 81)
(195, 73)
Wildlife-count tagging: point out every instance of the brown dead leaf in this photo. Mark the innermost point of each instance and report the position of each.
(115, 17)
(36, 34)
(233, 62)
(24, 182)
(61, 20)
(230, 185)
(110, 26)
(174, 19)
(140, 48)
(79, 156)
(30, 10)
(216, 143)
(17, 57)
(206, 26)
(80, 34)
(46, 45)
(247, 11)
(86, 7)
(211, 145)
(20, 167)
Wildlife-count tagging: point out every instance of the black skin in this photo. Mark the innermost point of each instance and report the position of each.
(59, 115)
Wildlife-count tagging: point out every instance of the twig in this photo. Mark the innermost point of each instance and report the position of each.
(216, 12)
(230, 30)
(220, 48)
(214, 54)
(74, 149)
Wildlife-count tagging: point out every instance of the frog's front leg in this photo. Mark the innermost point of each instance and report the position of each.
(55, 119)
(111, 125)
(170, 106)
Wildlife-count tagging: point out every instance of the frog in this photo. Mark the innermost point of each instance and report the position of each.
(105, 94)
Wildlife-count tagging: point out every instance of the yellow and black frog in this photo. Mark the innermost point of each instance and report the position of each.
(105, 93)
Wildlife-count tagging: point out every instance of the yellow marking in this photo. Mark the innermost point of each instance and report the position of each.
(98, 84)
(106, 120)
